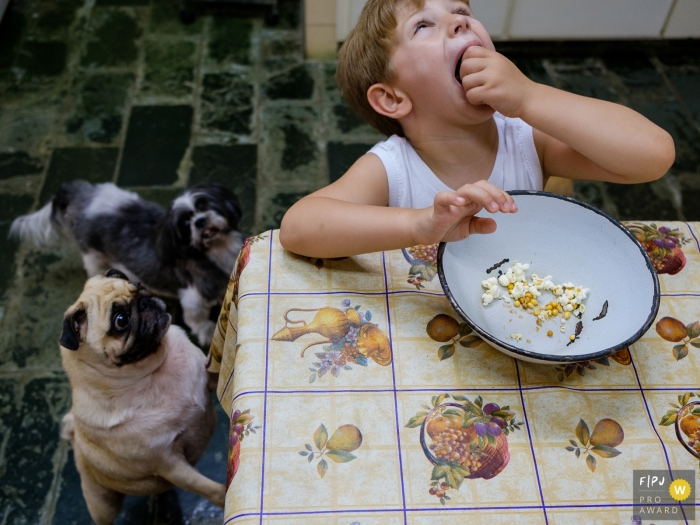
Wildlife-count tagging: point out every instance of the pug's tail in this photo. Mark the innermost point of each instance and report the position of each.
(39, 228)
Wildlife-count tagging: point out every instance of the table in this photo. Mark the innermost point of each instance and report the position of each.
(348, 380)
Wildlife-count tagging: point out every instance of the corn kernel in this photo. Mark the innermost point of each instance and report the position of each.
(530, 304)
(516, 303)
(536, 312)
(567, 315)
(534, 301)
(528, 295)
(559, 308)
(550, 333)
(539, 322)
(572, 337)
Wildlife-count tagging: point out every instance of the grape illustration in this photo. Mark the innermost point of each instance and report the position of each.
(490, 407)
(494, 429)
(500, 422)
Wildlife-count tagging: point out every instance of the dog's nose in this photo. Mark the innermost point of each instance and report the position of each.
(200, 223)
(144, 303)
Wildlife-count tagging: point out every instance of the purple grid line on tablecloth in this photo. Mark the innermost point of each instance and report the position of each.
(690, 228)
(394, 390)
(228, 382)
(345, 292)
(448, 510)
(393, 379)
(460, 390)
(529, 437)
(651, 420)
(267, 358)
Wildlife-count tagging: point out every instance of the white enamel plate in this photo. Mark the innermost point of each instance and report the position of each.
(573, 242)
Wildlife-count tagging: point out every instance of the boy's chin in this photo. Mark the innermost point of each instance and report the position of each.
(479, 112)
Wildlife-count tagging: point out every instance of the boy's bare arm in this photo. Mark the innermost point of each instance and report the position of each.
(351, 215)
(577, 137)
(347, 217)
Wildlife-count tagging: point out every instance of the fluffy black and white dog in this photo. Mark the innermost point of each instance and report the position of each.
(187, 251)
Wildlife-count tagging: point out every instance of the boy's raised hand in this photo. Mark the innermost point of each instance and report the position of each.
(490, 78)
(452, 216)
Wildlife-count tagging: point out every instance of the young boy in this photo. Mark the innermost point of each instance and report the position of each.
(464, 124)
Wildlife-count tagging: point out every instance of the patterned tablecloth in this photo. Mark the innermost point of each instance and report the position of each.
(349, 381)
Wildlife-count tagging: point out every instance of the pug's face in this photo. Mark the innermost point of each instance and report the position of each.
(117, 321)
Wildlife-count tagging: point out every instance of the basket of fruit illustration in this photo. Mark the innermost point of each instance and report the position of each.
(663, 245)
(423, 261)
(688, 423)
(468, 436)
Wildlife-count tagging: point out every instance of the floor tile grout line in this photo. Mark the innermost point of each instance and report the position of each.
(138, 71)
(393, 379)
(529, 436)
(48, 510)
(662, 70)
(653, 427)
(186, 163)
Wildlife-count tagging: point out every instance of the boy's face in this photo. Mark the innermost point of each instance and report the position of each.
(430, 44)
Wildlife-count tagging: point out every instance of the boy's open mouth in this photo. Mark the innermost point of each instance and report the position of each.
(457, 68)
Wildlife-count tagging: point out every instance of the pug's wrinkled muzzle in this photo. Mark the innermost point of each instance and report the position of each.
(153, 322)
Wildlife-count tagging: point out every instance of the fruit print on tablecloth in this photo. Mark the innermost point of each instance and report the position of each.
(685, 416)
(621, 356)
(675, 331)
(231, 298)
(446, 329)
(351, 338)
(346, 439)
(423, 261)
(241, 427)
(663, 245)
(607, 434)
(469, 440)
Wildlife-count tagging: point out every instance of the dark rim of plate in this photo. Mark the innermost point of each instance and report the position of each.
(563, 358)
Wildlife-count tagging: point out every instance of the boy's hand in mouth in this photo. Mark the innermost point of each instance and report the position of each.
(490, 78)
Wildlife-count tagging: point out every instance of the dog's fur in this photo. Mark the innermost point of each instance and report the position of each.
(187, 252)
(141, 414)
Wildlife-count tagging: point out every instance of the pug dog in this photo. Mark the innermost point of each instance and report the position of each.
(141, 414)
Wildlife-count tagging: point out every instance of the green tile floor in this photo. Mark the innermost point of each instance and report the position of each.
(120, 90)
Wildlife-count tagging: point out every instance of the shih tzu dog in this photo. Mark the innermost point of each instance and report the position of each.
(141, 413)
(187, 251)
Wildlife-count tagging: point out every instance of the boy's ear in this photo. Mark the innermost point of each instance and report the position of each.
(389, 101)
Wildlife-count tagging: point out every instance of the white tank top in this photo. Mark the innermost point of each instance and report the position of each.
(412, 184)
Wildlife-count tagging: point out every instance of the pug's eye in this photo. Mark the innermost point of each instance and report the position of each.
(121, 321)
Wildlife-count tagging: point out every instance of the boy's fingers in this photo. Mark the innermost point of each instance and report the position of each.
(477, 52)
(487, 195)
(505, 200)
(473, 65)
(476, 95)
(445, 199)
(473, 80)
(482, 225)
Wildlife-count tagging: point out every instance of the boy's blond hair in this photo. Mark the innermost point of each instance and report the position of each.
(363, 59)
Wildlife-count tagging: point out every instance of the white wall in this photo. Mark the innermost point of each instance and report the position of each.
(567, 19)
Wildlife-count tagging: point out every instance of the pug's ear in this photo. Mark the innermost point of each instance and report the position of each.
(72, 325)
